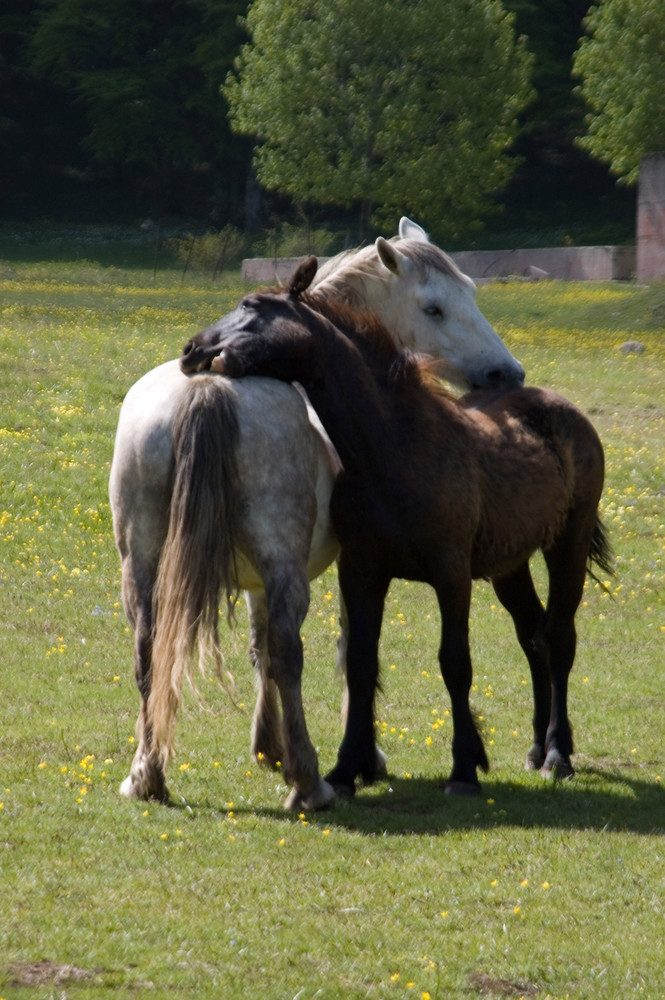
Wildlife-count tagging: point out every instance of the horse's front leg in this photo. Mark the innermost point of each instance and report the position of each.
(146, 776)
(454, 595)
(363, 596)
(381, 768)
(287, 594)
(266, 742)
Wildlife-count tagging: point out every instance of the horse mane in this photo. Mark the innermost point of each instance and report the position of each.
(361, 326)
(345, 274)
(399, 366)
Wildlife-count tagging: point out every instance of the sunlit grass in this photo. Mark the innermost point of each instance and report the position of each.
(530, 890)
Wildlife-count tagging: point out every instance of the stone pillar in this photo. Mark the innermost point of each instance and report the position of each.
(651, 218)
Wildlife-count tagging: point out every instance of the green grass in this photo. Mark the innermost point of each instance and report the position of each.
(531, 890)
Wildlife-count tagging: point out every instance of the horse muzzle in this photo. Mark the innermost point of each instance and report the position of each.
(197, 357)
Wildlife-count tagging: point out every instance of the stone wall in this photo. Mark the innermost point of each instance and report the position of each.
(270, 269)
(568, 263)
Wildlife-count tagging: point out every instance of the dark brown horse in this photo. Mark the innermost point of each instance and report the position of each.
(439, 490)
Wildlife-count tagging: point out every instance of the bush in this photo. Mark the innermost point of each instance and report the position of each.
(289, 240)
(211, 252)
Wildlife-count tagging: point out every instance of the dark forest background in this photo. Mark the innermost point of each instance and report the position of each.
(172, 156)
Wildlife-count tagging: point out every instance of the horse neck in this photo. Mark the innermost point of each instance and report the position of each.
(354, 399)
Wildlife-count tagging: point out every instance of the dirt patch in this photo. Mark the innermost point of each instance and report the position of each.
(489, 986)
(45, 973)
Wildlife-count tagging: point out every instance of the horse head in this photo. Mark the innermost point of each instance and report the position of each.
(265, 327)
(426, 303)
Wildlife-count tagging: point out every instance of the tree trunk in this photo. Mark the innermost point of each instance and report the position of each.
(365, 221)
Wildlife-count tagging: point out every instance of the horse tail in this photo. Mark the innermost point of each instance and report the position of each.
(197, 562)
(600, 553)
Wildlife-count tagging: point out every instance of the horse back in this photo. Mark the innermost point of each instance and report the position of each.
(542, 459)
(546, 421)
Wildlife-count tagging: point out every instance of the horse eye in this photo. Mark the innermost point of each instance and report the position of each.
(433, 310)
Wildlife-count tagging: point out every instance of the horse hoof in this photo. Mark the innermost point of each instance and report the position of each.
(534, 759)
(342, 791)
(464, 788)
(129, 790)
(557, 767)
(322, 797)
(132, 788)
(345, 787)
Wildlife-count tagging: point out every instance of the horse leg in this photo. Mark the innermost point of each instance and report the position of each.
(267, 745)
(287, 597)
(381, 768)
(566, 564)
(363, 597)
(518, 596)
(146, 776)
(454, 596)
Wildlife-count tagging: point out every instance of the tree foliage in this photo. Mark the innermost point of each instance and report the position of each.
(622, 65)
(145, 78)
(112, 109)
(396, 105)
(135, 72)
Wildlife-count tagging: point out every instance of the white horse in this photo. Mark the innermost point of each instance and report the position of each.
(179, 435)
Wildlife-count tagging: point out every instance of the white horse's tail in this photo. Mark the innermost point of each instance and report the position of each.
(197, 562)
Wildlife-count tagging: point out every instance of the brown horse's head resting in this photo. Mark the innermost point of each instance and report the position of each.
(237, 341)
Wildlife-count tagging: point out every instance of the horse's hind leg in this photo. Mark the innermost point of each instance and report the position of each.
(146, 776)
(267, 745)
(518, 596)
(566, 562)
(287, 595)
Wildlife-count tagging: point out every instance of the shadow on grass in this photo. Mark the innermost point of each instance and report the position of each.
(596, 800)
(593, 800)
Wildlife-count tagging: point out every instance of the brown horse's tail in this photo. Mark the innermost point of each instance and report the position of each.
(197, 561)
(600, 554)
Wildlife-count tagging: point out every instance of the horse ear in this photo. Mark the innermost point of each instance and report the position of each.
(302, 277)
(409, 230)
(390, 257)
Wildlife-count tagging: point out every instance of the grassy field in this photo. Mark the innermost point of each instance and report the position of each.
(532, 890)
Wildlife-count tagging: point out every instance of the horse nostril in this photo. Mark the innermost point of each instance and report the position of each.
(494, 378)
(497, 378)
(188, 358)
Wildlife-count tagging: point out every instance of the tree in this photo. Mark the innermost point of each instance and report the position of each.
(394, 105)
(146, 76)
(622, 66)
